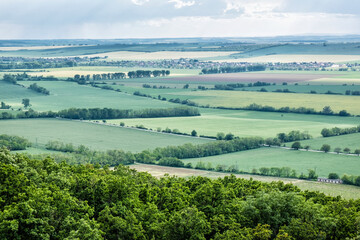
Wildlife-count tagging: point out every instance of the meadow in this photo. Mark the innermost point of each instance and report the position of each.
(319, 89)
(237, 99)
(351, 141)
(65, 95)
(301, 161)
(94, 136)
(244, 123)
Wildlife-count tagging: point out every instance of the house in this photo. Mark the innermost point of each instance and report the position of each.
(327, 180)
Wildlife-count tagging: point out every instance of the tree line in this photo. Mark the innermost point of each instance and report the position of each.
(197, 151)
(39, 89)
(106, 113)
(42, 199)
(302, 110)
(326, 132)
(235, 69)
(232, 86)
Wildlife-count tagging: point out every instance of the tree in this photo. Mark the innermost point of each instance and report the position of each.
(26, 102)
(296, 145)
(346, 150)
(325, 148)
(327, 110)
(337, 150)
(220, 136)
(344, 113)
(357, 151)
(193, 133)
(229, 136)
(333, 176)
(307, 147)
(312, 174)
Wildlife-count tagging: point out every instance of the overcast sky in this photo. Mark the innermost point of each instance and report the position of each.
(39, 19)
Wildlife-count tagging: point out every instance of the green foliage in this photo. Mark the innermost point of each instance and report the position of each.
(333, 176)
(14, 142)
(325, 148)
(39, 89)
(296, 145)
(325, 132)
(40, 199)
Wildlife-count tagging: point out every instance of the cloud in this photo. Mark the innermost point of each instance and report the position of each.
(181, 4)
(175, 18)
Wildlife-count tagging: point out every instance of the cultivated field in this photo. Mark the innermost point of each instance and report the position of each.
(69, 94)
(286, 58)
(254, 77)
(235, 99)
(323, 163)
(351, 141)
(244, 123)
(125, 55)
(301, 88)
(346, 191)
(95, 136)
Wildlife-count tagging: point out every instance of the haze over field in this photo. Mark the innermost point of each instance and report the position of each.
(38, 19)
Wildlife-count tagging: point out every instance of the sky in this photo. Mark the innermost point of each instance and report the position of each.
(108, 19)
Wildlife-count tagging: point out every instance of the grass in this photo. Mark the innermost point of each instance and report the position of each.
(234, 99)
(64, 95)
(244, 123)
(345, 191)
(320, 89)
(10, 92)
(100, 137)
(351, 141)
(322, 163)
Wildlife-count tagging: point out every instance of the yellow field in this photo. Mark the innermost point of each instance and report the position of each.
(125, 55)
(235, 99)
(336, 81)
(285, 58)
(32, 48)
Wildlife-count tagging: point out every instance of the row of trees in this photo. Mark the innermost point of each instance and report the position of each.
(197, 151)
(302, 110)
(148, 73)
(232, 86)
(84, 155)
(236, 69)
(103, 113)
(13, 142)
(41, 199)
(110, 113)
(288, 137)
(39, 89)
(326, 132)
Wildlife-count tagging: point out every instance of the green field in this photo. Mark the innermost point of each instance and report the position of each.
(95, 136)
(320, 89)
(234, 99)
(351, 141)
(244, 123)
(65, 95)
(322, 163)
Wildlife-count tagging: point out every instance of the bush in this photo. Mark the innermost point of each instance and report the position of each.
(325, 148)
(296, 145)
(333, 176)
